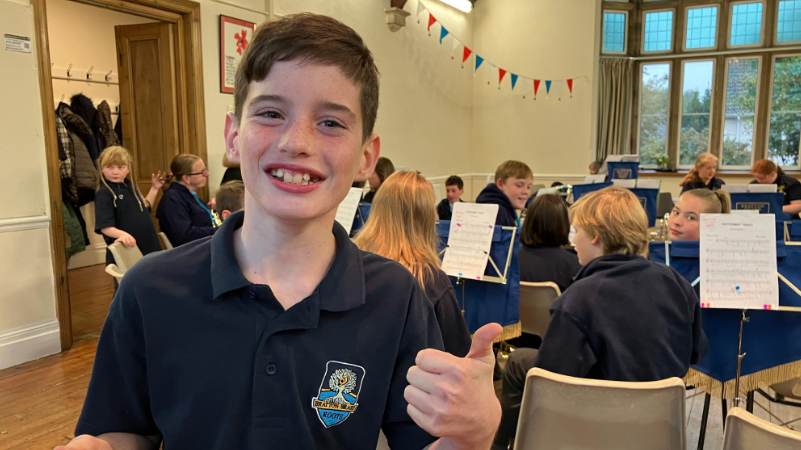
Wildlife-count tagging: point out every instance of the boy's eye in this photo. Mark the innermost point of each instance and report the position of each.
(328, 123)
(270, 114)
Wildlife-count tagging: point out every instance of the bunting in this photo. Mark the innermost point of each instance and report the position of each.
(557, 85)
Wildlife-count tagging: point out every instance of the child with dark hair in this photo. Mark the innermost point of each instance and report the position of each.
(595, 167)
(383, 169)
(545, 231)
(454, 189)
(230, 198)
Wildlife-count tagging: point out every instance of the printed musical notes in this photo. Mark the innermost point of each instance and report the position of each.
(469, 240)
(738, 261)
(346, 210)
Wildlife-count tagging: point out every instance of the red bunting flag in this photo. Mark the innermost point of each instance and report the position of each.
(466, 54)
(431, 21)
(536, 87)
(570, 86)
(501, 74)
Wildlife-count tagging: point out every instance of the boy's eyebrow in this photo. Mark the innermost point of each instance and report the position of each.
(267, 98)
(331, 106)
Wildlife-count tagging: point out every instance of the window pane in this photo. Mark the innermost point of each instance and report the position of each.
(701, 25)
(614, 32)
(696, 105)
(746, 24)
(788, 28)
(658, 31)
(654, 112)
(738, 126)
(785, 116)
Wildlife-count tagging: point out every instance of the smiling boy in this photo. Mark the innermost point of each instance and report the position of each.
(278, 332)
(511, 190)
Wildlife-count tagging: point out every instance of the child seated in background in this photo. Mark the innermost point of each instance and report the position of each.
(595, 167)
(624, 318)
(454, 189)
(383, 169)
(401, 227)
(510, 191)
(230, 198)
(683, 222)
(546, 228)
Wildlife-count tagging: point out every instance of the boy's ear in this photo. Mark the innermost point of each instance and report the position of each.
(224, 214)
(232, 138)
(596, 241)
(499, 183)
(368, 157)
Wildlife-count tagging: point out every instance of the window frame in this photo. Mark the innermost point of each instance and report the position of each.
(672, 48)
(756, 110)
(625, 32)
(680, 109)
(642, 65)
(762, 27)
(686, 28)
(766, 152)
(776, 42)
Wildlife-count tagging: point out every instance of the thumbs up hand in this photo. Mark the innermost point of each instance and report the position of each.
(454, 398)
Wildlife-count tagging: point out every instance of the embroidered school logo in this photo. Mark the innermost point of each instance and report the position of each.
(120, 196)
(339, 391)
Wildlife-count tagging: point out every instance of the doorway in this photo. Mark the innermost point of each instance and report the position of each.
(142, 58)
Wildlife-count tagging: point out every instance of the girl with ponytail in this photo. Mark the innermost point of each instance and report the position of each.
(684, 219)
(122, 213)
(702, 174)
(184, 217)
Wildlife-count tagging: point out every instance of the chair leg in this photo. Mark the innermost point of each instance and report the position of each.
(724, 407)
(749, 402)
(704, 419)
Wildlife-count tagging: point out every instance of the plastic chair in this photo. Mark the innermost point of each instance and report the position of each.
(535, 305)
(382, 442)
(125, 258)
(561, 412)
(745, 431)
(164, 241)
(789, 389)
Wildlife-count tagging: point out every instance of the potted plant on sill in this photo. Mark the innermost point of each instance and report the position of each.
(663, 164)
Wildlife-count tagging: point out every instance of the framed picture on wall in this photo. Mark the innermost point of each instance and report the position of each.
(235, 35)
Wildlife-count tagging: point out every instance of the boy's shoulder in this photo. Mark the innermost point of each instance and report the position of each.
(186, 263)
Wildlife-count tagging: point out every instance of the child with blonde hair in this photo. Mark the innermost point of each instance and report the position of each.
(683, 222)
(122, 213)
(402, 227)
(623, 318)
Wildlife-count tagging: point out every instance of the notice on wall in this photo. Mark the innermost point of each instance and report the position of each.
(469, 240)
(738, 261)
(346, 211)
(235, 36)
(17, 43)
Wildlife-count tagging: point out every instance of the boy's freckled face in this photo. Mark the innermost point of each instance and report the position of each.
(299, 141)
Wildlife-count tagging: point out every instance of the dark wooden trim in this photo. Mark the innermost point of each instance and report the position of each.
(718, 107)
(185, 15)
(57, 241)
(674, 113)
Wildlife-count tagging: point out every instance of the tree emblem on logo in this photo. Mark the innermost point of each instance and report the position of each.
(342, 382)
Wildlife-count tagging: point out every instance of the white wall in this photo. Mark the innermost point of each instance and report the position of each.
(554, 39)
(28, 327)
(83, 36)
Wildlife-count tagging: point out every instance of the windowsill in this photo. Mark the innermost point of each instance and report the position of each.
(719, 174)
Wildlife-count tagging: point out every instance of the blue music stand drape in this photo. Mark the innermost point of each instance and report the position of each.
(361, 217)
(487, 302)
(647, 198)
(771, 340)
(795, 230)
(580, 190)
(623, 170)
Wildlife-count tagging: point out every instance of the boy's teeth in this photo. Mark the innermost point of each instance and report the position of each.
(294, 178)
(287, 177)
(306, 177)
(304, 182)
(297, 179)
(279, 173)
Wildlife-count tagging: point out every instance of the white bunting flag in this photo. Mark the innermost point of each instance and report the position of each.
(456, 45)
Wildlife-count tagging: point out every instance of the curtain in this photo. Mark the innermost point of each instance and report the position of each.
(616, 92)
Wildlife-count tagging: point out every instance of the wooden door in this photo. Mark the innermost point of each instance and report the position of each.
(148, 106)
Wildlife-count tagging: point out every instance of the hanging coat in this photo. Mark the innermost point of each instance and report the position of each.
(107, 136)
(82, 139)
(85, 108)
(66, 152)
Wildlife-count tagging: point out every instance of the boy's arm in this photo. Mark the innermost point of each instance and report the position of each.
(565, 349)
(113, 441)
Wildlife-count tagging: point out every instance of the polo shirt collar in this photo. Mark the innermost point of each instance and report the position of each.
(341, 289)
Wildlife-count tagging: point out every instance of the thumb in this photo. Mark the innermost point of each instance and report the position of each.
(481, 349)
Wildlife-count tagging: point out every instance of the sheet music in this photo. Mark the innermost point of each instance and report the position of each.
(546, 191)
(630, 183)
(592, 179)
(346, 210)
(738, 261)
(469, 240)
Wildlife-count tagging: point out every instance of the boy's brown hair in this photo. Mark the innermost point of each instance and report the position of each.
(616, 216)
(230, 196)
(511, 168)
(311, 38)
(546, 222)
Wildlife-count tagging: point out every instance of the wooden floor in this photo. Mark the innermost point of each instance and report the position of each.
(40, 401)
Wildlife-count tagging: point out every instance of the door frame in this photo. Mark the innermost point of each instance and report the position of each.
(185, 15)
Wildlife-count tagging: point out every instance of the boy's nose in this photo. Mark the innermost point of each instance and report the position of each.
(297, 138)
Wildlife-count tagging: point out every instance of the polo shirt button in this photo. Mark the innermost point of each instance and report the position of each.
(271, 369)
(252, 294)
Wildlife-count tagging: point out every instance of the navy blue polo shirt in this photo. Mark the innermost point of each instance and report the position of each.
(124, 209)
(182, 217)
(194, 351)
